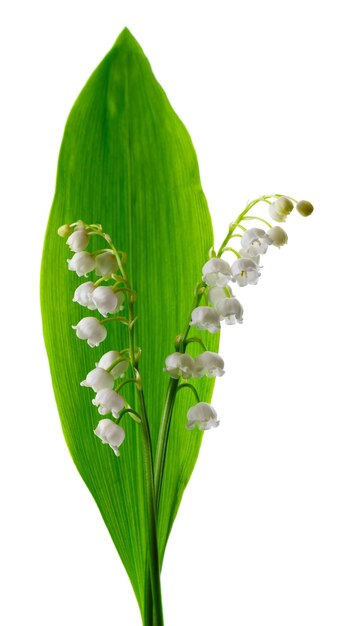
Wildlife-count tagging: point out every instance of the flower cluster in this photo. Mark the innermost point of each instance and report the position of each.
(106, 299)
(221, 305)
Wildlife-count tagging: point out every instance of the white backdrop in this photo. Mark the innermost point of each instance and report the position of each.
(255, 542)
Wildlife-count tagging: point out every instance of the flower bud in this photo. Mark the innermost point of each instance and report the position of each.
(202, 415)
(216, 272)
(90, 328)
(98, 379)
(205, 318)
(230, 310)
(81, 263)
(106, 264)
(304, 207)
(278, 236)
(280, 209)
(105, 300)
(64, 230)
(78, 240)
(179, 364)
(108, 359)
(108, 401)
(208, 364)
(110, 433)
(83, 295)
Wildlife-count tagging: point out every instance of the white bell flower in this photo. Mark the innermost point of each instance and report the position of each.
(178, 364)
(108, 359)
(110, 433)
(105, 300)
(208, 364)
(98, 379)
(245, 255)
(304, 207)
(78, 240)
(106, 264)
(278, 236)
(108, 401)
(215, 294)
(81, 263)
(202, 415)
(280, 209)
(230, 310)
(255, 241)
(216, 272)
(245, 272)
(83, 295)
(90, 328)
(205, 318)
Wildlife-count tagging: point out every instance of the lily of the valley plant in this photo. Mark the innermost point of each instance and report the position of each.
(134, 356)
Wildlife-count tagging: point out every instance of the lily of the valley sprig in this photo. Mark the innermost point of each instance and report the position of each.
(110, 292)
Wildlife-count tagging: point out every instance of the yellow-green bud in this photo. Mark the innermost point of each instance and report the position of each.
(65, 230)
(305, 208)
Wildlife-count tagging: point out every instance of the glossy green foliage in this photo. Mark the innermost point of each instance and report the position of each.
(127, 162)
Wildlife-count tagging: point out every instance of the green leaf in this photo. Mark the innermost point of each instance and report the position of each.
(127, 162)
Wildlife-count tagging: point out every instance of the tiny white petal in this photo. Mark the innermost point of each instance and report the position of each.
(108, 359)
(98, 379)
(178, 364)
(106, 264)
(255, 241)
(208, 364)
(83, 295)
(230, 310)
(90, 328)
(108, 401)
(78, 240)
(110, 433)
(205, 318)
(254, 257)
(81, 263)
(245, 272)
(216, 272)
(202, 415)
(280, 209)
(105, 300)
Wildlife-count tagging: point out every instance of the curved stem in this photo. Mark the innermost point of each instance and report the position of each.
(189, 386)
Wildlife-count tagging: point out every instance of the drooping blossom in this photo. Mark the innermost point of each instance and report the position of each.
(255, 241)
(105, 300)
(78, 240)
(83, 295)
(91, 329)
(110, 433)
(106, 264)
(230, 310)
(208, 364)
(202, 415)
(205, 318)
(245, 272)
(98, 379)
(108, 401)
(107, 360)
(278, 236)
(280, 209)
(81, 263)
(216, 272)
(178, 364)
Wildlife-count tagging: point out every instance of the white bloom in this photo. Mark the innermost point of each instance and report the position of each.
(203, 415)
(90, 328)
(83, 295)
(98, 379)
(245, 272)
(245, 255)
(255, 241)
(108, 401)
(304, 207)
(205, 318)
(216, 272)
(215, 294)
(108, 359)
(110, 433)
(280, 209)
(178, 364)
(78, 240)
(105, 300)
(106, 264)
(209, 364)
(278, 236)
(230, 310)
(81, 263)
